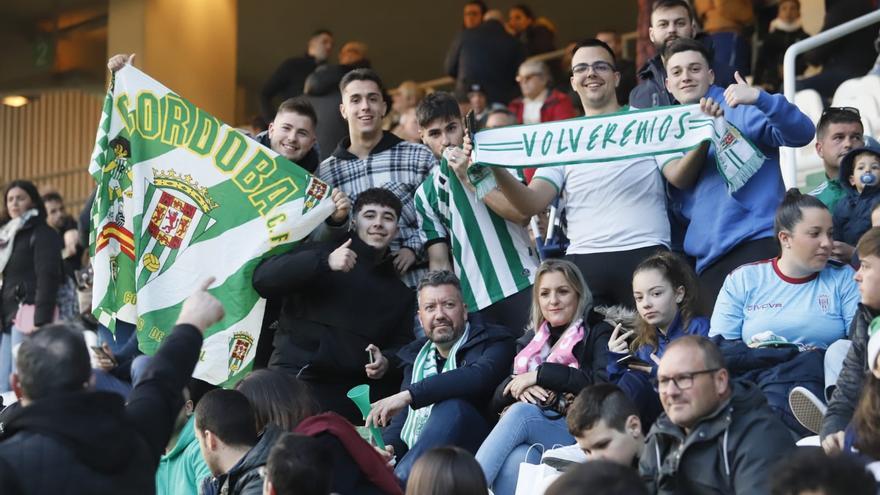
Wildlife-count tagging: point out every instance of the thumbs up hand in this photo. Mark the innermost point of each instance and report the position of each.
(342, 259)
(741, 93)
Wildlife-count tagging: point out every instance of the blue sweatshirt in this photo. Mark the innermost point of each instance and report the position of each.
(719, 221)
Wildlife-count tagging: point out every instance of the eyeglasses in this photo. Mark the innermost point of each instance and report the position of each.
(682, 381)
(840, 110)
(600, 67)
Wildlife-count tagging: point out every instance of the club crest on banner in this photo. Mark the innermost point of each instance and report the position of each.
(316, 191)
(239, 346)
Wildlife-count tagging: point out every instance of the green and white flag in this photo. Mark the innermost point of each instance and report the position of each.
(620, 136)
(181, 197)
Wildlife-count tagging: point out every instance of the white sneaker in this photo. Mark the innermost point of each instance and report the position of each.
(807, 408)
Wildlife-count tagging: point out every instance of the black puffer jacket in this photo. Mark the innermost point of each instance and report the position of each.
(244, 478)
(852, 376)
(91, 443)
(730, 451)
(33, 272)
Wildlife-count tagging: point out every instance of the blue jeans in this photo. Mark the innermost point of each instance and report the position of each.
(452, 422)
(507, 446)
(7, 365)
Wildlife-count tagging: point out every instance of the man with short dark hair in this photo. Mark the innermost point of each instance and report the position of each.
(68, 438)
(606, 425)
(810, 472)
(483, 241)
(839, 130)
(370, 157)
(298, 465)
(728, 229)
(292, 133)
(227, 433)
(290, 77)
(345, 312)
(603, 478)
(670, 20)
(606, 248)
(449, 377)
(716, 436)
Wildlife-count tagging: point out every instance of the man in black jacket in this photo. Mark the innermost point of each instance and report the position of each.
(670, 20)
(290, 77)
(292, 133)
(448, 377)
(68, 439)
(849, 383)
(345, 313)
(226, 430)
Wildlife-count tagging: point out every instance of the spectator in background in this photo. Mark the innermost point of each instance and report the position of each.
(297, 465)
(670, 20)
(846, 57)
(72, 253)
(536, 35)
(289, 78)
(486, 55)
(839, 130)
(30, 263)
(407, 127)
(230, 444)
(472, 14)
(729, 24)
(405, 97)
(322, 90)
(479, 104)
(500, 117)
(717, 435)
(539, 101)
(603, 477)
(785, 30)
(84, 441)
(808, 471)
(446, 471)
(182, 468)
(625, 66)
(860, 178)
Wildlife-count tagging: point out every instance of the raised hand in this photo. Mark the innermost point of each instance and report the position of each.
(740, 93)
(342, 259)
(617, 343)
(201, 309)
(119, 61)
(343, 206)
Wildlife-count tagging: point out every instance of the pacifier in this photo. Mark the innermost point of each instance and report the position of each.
(868, 179)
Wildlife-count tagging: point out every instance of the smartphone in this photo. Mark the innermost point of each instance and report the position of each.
(370, 358)
(470, 121)
(631, 359)
(101, 352)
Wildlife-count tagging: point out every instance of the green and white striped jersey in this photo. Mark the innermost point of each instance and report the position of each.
(492, 257)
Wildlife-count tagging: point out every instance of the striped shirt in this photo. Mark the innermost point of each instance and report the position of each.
(492, 257)
(395, 165)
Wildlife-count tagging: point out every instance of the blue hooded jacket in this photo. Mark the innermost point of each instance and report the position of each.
(852, 215)
(719, 220)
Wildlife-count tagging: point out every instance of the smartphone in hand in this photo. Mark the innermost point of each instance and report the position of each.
(101, 352)
(632, 359)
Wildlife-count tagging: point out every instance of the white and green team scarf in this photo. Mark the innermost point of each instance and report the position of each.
(619, 136)
(425, 366)
(181, 196)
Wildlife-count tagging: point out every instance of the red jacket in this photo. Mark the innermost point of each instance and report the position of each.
(557, 106)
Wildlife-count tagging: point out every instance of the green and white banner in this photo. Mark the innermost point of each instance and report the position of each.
(620, 136)
(181, 197)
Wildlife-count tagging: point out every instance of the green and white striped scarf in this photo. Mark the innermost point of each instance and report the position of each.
(425, 366)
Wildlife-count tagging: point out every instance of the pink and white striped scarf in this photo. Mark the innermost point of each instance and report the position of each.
(539, 351)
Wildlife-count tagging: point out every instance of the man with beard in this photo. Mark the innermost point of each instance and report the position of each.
(670, 20)
(449, 377)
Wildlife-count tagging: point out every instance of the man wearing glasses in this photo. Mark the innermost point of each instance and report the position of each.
(616, 210)
(716, 436)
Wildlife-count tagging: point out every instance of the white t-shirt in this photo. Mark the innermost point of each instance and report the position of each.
(613, 206)
(532, 111)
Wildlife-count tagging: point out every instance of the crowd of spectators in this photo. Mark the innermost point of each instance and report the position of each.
(687, 340)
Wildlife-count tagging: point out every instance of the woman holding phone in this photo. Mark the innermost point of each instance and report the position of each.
(666, 295)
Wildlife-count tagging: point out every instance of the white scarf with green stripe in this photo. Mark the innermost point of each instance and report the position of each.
(426, 366)
(618, 136)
